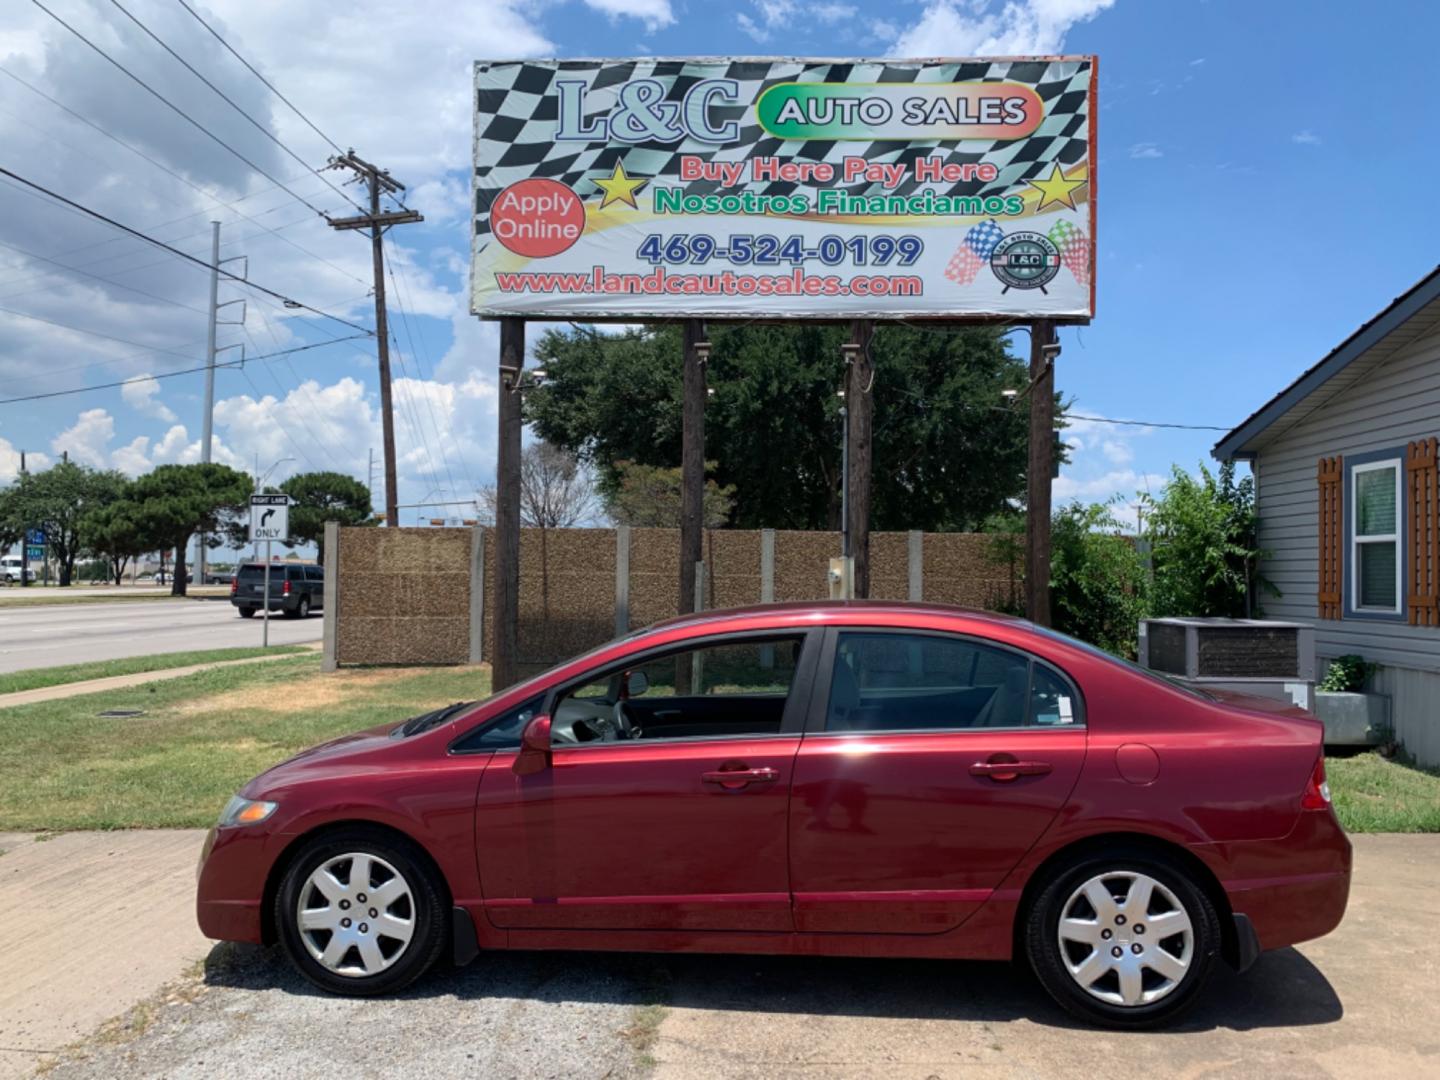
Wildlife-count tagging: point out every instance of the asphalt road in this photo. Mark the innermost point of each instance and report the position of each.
(47, 635)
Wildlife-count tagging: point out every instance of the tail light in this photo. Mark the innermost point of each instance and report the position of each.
(234, 584)
(285, 591)
(1317, 791)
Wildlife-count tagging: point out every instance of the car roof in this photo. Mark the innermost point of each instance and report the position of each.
(834, 612)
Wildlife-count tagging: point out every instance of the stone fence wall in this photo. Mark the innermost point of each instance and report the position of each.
(418, 596)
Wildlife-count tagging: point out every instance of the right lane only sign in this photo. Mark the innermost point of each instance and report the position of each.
(269, 517)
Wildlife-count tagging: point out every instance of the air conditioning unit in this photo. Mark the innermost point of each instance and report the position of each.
(1252, 656)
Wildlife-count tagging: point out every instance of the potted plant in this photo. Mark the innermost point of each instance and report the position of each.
(1352, 716)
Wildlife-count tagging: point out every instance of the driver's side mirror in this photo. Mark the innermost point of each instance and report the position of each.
(636, 683)
(534, 753)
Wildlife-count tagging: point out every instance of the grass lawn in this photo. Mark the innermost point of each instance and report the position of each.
(34, 597)
(103, 669)
(200, 739)
(1377, 794)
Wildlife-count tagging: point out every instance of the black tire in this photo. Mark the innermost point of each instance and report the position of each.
(302, 611)
(428, 911)
(1044, 949)
(246, 612)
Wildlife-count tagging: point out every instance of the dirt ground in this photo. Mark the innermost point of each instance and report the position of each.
(1360, 1003)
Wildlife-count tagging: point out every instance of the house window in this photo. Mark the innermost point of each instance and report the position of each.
(1375, 561)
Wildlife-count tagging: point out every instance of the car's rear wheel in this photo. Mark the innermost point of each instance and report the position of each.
(303, 611)
(360, 913)
(1123, 940)
(247, 612)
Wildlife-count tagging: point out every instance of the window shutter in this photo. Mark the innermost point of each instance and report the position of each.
(1332, 533)
(1423, 507)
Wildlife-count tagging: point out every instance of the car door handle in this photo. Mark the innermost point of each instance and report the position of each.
(1009, 770)
(739, 778)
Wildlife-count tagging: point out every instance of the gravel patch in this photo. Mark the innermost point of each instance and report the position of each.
(530, 1015)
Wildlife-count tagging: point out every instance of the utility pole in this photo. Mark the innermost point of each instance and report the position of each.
(370, 479)
(859, 443)
(504, 659)
(1040, 471)
(692, 477)
(207, 426)
(378, 223)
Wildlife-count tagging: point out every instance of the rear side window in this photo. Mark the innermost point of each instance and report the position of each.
(314, 573)
(252, 573)
(905, 682)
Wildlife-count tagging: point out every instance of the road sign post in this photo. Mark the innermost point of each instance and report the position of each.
(269, 521)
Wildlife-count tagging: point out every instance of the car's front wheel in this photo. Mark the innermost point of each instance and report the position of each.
(1124, 941)
(246, 612)
(360, 913)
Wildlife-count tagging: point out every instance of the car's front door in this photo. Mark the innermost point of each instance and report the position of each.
(668, 812)
(931, 763)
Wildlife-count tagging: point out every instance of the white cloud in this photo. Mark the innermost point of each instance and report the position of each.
(1305, 138)
(10, 461)
(87, 440)
(653, 13)
(751, 28)
(832, 12)
(1146, 151)
(884, 30)
(140, 396)
(1016, 28)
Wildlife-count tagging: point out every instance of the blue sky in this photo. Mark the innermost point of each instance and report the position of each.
(1262, 176)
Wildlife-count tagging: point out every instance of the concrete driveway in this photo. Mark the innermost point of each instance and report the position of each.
(1360, 1003)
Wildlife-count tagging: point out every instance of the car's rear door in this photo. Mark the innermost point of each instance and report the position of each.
(930, 764)
(681, 828)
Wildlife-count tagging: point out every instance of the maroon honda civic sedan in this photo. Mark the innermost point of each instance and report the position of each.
(858, 779)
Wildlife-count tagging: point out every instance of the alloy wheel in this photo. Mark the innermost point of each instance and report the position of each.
(1126, 939)
(356, 914)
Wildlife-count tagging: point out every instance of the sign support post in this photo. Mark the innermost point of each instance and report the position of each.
(265, 611)
(1043, 351)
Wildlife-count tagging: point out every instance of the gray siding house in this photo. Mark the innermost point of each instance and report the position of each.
(1346, 487)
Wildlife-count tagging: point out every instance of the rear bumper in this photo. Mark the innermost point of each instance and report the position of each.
(1295, 889)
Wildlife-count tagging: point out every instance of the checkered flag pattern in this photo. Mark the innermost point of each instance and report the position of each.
(517, 109)
(974, 252)
(1074, 247)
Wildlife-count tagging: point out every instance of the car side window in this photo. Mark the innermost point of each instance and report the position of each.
(314, 573)
(503, 732)
(716, 690)
(922, 682)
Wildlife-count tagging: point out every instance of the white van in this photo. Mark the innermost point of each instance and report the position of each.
(10, 569)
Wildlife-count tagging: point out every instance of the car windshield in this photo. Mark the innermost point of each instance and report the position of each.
(253, 572)
(1154, 676)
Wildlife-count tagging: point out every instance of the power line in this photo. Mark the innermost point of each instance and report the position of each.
(229, 101)
(288, 301)
(1143, 423)
(250, 67)
(172, 374)
(98, 277)
(177, 110)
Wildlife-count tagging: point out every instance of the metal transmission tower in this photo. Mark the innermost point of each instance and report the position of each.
(378, 180)
(208, 424)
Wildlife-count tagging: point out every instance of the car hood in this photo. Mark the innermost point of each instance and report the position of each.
(356, 752)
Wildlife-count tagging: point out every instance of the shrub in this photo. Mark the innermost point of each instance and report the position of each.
(1348, 673)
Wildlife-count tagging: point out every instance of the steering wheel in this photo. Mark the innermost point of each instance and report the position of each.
(620, 726)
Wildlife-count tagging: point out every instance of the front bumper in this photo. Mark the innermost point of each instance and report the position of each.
(229, 894)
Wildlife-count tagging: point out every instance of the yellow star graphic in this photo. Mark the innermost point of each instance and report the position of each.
(620, 187)
(1056, 189)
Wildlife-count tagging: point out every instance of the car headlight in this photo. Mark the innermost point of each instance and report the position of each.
(240, 811)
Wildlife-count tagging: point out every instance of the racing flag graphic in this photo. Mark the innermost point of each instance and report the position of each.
(974, 252)
(1074, 248)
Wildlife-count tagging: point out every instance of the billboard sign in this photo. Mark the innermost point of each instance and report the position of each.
(784, 188)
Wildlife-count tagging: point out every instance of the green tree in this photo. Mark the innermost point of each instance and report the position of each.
(947, 451)
(648, 496)
(1098, 585)
(57, 500)
(1204, 544)
(177, 501)
(117, 532)
(318, 497)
